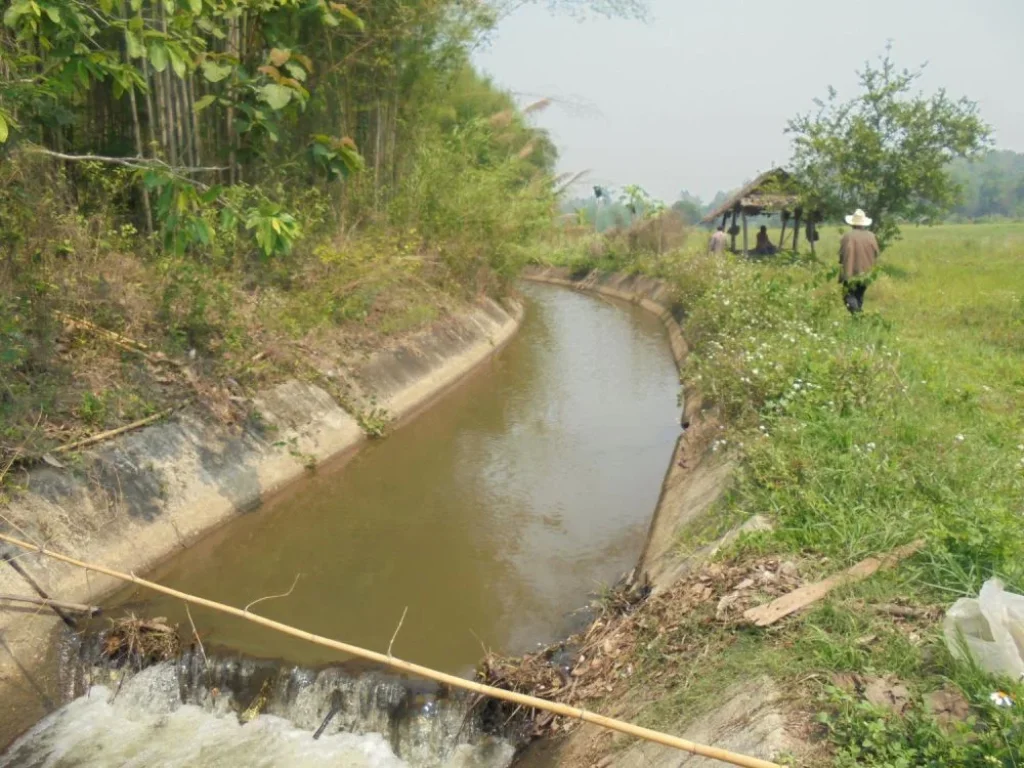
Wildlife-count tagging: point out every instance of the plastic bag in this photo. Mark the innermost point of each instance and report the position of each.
(992, 626)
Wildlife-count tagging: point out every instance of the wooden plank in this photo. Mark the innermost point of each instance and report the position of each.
(796, 232)
(746, 249)
(733, 227)
(798, 599)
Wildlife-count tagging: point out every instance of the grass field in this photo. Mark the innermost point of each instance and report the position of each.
(857, 435)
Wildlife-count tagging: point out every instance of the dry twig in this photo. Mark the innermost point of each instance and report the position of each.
(272, 597)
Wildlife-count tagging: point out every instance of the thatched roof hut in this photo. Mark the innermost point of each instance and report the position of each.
(771, 192)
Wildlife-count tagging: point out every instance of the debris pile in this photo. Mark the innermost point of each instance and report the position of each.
(590, 665)
(141, 642)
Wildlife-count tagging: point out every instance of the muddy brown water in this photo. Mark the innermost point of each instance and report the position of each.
(488, 519)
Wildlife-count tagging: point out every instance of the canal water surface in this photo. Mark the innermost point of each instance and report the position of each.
(486, 521)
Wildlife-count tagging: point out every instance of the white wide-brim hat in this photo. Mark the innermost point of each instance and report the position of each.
(859, 219)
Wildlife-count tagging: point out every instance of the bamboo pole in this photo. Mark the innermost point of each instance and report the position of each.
(715, 753)
(92, 610)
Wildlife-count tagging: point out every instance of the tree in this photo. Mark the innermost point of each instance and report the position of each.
(887, 150)
(689, 207)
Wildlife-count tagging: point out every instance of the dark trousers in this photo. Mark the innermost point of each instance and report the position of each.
(854, 296)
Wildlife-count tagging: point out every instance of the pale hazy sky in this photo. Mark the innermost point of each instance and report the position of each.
(697, 98)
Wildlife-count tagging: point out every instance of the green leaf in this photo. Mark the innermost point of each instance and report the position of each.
(196, 6)
(136, 5)
(347, 13)
(177, 63)
(4, 130)
(215, 72)
(211, 194)
(53, 13)
(296, 71)
(158, 56)
(276, 96)
(15, 12)
(204, 102)
(209, 27)
(136, 50)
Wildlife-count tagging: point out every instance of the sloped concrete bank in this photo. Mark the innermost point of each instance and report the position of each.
(133, 501)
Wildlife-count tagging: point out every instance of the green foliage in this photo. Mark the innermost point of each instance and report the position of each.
(335, 158)
(195, 306)
(276, 230)
(886, 150)
(864, 734)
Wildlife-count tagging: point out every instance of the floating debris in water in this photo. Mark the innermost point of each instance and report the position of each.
(141, 642)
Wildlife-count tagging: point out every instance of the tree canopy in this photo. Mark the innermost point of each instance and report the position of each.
(887, 150)
(992, 185)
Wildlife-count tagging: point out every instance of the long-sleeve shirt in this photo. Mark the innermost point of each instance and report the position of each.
(858, 251)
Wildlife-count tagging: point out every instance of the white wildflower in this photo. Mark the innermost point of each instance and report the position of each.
(960, 438)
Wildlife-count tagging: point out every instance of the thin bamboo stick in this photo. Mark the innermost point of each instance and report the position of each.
(629, 729)
(112, 432)
(92, 610)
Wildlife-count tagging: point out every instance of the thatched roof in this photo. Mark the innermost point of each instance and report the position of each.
(767, 193)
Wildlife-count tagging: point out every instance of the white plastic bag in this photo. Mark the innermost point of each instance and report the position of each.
(992, 627)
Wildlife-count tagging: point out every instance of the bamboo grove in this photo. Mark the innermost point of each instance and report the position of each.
(209, 108)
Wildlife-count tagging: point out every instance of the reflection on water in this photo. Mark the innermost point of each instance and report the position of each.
(490, 517)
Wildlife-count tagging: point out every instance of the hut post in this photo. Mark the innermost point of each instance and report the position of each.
(812, 229)
(745, 249)
(725, 219)
(796, 231)
(782, 237)
(732, 229)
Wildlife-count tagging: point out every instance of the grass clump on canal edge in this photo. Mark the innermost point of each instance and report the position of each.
(855, 435)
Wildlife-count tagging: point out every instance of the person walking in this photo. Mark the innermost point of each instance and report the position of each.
(858, 252)
(716, 244)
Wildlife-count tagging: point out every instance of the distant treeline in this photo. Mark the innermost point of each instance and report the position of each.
(992, 185)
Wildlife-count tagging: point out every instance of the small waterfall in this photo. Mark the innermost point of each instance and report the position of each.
(195, 710)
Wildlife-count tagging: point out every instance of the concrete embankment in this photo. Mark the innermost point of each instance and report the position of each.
(135, 500)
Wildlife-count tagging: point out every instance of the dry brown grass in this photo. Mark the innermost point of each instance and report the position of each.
(606, 660)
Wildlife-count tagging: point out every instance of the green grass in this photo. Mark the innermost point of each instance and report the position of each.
(857, 435)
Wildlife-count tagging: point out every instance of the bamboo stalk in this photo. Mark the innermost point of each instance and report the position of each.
(137, 129)
(38, 589)
(92, 610)
(715, 753)
(117, 337)
(197, 147)
(112, 432)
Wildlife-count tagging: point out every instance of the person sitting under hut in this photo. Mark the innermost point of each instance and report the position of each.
(764, 246)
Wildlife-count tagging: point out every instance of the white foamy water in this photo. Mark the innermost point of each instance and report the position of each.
(92, 731)
(145, 725)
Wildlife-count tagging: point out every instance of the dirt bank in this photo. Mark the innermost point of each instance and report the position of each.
(130, 502)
